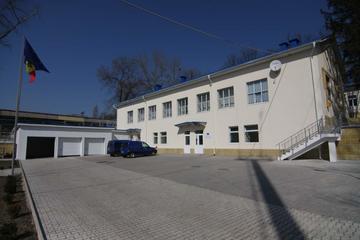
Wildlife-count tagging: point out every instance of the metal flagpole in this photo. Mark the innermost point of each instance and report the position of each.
(18, 104)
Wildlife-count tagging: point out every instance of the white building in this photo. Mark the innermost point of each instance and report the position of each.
(245, 110)
(40, 140)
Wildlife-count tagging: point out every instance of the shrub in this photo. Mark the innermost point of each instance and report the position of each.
(14, 210)
(8, 231)
(10, 185)
(8, 198)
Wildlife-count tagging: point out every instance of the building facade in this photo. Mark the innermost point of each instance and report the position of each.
(242, 111)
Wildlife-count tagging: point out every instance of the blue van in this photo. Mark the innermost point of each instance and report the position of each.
(127, 148)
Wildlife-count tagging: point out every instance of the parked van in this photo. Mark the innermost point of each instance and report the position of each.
(127, 148)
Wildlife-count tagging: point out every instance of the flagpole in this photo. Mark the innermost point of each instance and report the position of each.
(18, 95)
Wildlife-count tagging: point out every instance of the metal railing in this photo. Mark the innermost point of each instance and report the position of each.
(303, 136)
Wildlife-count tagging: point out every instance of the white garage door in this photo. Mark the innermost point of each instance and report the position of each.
(94, 146)
(69, 146)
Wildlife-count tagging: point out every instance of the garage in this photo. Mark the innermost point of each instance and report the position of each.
(40, 147)
(94, 146)
(69, 147)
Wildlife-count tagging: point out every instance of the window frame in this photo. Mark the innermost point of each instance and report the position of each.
(246, 131)
(130, 116)
(156, 137)
(167, 112)
(163, 135)
(252, 92)
(234, 132)
(141, 116)
(226, 97)
(151, 113)
(203, 102)
(182, 106)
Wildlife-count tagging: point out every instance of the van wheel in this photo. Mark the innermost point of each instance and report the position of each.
(132, 155)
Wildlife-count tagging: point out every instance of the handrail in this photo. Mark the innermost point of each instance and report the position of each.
(303, 136)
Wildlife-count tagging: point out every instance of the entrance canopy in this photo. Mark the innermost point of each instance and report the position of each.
(133, 130)
(191, 124)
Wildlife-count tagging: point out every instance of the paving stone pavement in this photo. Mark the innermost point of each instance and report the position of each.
(79, 199)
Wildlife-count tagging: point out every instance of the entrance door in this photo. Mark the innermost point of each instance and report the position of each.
(187, 142)
(199, 142)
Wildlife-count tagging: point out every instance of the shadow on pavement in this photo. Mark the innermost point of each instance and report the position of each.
(285, 226)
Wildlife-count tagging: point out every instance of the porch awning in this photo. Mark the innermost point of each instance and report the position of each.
(133, 130)
(191, 124)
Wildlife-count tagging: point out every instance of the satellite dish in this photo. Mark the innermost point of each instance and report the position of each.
(275, 65)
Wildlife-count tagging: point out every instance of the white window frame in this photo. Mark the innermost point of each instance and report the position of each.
(163, 137)
(182, 106)
(152, 112)
(234, 132)
(258, 91)
(352, 99)
(141, 114)
(203, 102)
(250, 131)
(167, 109)
(226, 97)
(156, 138)
(130, 116)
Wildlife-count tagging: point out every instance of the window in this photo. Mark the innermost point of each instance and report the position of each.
(167, 111)
(187, 138)
(258, 91)
(130, 116)
(251, 133)
(234, 134)
(226, 97)
(163, 137)
(182, 106)
(145, 145)
(155, 138)
(141, 114)
(152, 112)
(203, 103)
(352, 101)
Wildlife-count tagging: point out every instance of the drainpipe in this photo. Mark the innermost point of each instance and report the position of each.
(214, 137)
(314, 94)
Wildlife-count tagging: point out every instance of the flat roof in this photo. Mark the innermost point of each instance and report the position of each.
(76, 118)
(70, 127)
(261, 60)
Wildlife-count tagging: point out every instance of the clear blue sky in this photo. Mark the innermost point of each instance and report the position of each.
(73, 38)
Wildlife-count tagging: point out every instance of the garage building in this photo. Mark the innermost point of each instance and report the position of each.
(36, 140)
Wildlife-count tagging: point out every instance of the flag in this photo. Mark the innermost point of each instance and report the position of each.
(32, 62)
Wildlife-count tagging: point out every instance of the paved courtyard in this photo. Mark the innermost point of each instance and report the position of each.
(195, 197)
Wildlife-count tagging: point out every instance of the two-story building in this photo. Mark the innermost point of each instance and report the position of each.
(244, 110)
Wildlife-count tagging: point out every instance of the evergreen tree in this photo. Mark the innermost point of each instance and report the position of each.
(343, 21)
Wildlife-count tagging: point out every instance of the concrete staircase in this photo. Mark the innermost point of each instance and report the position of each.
(307, 139)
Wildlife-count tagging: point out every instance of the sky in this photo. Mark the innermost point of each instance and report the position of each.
(74, 38)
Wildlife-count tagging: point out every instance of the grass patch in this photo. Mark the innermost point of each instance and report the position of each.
(16, 220)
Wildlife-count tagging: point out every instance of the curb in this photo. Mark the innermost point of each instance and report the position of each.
(35, 214)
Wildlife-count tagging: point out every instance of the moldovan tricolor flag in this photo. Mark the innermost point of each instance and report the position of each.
(32, 62)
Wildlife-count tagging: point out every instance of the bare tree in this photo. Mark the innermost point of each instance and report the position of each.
(243, 56)
(12, 15)
(159, 69)
(129, 76)
(122, 79)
